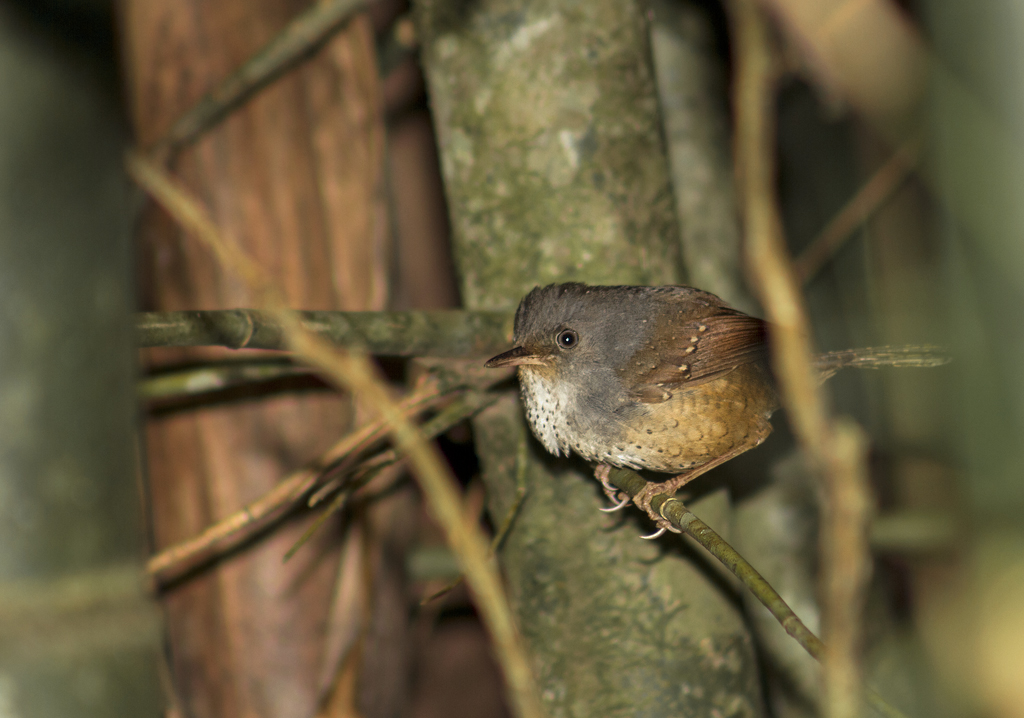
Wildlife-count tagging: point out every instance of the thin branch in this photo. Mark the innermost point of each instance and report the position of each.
(862, 206)
(220, 538)
(358, 375)
(354, 372)
(683, 519)
(909, 355)
(192, 381)
(500, 534)
(435, 386)
(462, 409)
(465, 407)
(837, 449)
(300, 38)
(442, 333)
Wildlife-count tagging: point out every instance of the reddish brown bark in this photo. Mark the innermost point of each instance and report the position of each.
(296, 177)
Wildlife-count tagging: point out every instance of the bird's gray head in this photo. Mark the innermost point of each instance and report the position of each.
(578, 327)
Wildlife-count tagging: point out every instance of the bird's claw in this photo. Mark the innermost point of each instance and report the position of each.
(643, 502)
(614, 494)
(612, 509)
(663, 526)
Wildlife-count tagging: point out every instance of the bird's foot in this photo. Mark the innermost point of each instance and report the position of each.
(614, 494)
(642, 499)
(643, 502)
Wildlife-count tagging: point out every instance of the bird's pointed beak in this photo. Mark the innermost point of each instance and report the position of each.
(515, 357)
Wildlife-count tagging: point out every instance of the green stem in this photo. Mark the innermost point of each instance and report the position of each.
(429, 333)
(682, 518)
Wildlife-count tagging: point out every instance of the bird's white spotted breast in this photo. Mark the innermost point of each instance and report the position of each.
(545, 403)
(550, 410)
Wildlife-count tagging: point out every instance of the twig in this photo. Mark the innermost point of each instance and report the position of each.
(354, 372)
(300, 38)
(459, 411)
(442, 333)
(682, 518)
(212, 377)
(920, 355)
(517, 503)
(240, 526)
(862, 206)
(225, 535)
(357, 374)
(499, 535)
(837, 449)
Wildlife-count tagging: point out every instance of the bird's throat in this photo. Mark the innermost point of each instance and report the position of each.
(546, 405)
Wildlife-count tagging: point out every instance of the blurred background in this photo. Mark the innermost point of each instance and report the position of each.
(899, 163)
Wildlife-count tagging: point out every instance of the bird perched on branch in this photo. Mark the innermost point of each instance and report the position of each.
(669, 379)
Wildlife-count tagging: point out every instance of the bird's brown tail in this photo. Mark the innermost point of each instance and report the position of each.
(876, 357)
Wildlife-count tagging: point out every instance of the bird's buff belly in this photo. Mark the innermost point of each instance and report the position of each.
(672, 437)
(665, 438)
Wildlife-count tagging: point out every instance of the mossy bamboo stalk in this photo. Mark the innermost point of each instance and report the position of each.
(555, 170)
(429, 333)
(79, 634)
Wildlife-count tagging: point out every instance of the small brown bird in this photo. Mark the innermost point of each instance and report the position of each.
(669, 379)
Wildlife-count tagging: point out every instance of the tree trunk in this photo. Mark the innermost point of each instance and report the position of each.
(555, 170)
(78, 634)
(295, 176)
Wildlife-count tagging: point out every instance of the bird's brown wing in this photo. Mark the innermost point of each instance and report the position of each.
(696, 351)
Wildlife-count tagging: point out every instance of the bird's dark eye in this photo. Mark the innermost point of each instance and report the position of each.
(566, 339)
